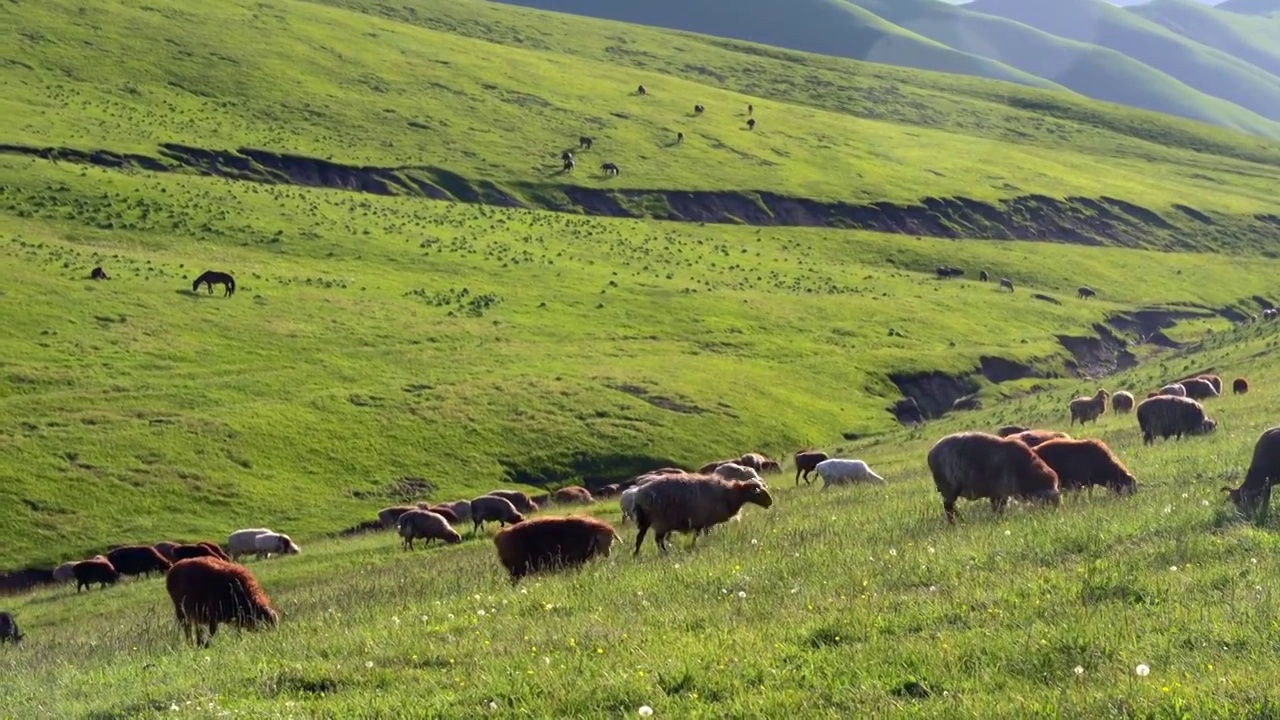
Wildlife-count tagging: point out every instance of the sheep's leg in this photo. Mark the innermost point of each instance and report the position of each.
(643, 524)
(949, 510)
(661, 540)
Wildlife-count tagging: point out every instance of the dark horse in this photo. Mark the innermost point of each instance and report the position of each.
(213, 277)
(99, 274)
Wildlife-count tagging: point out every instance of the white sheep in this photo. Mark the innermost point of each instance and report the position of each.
(734, 471)
(627, 500)
(1174, 389)
(268, 543)
(242, 542)
(841, 471)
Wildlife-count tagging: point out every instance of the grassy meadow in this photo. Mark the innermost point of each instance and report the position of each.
(826, 604)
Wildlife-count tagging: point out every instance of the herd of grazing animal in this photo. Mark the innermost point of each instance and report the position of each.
(208, 587)
(569, 162)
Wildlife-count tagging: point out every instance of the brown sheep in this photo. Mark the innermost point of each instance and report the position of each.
(1199, 389)
(426, 525)
(521, 501)
(1214, 380)
(974, 465)
(182, 552)
(1085, 409)
(1122, 402)
(214, 548)
(137, 560)
(444, 510)
(1239, 386)
(390, 516)
(490, 508)
(1085, 463)
(1008, 430)
(1173, 390)
(550, 543)
(207, 591)
(165, 548)
(1171, 416)
(97, 570)
(1032, 438)
(758, 462)
(711, 466)
(692, 503)
(573, 495)
(806, 462)
(1152, 394)
(1254, 493)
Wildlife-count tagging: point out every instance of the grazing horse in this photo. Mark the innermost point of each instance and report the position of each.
(1006, 283)
(699, 109)
(566, 156)
(569, 165)
(641, 90)
(609, 168)
(751, 123)
(99, 274)
(213, 277)
(585, 142)
(1086, 293)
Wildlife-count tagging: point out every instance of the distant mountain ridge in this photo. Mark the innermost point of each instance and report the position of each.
(1215, 64)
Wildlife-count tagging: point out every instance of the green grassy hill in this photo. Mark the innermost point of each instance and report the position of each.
(1251, 39)
(1091, 70)
(1096, 21)
(452, 347)
(1250, 7)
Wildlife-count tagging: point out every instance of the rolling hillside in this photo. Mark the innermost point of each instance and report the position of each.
(383, 347)
(1251, 39)
(1138, 64)
(1096, 21)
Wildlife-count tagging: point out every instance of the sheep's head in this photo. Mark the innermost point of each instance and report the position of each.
(755, 492)
(1206, 427)
(290, 547)
(1125, 484)
(604, 539)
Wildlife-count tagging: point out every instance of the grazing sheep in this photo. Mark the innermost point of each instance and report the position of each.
(1264, 471)
(1006, 283)
(490, 508)
(1122, 402)
(1089, 408)
(1239, 386)
(1169, 416)
(242, 542)
(569, 165)
(841, 471)
(692, 503)
(948, 271)
(1008, 430)
(1085, 293)
(806, 462)
(1085, 463)
(9, 630)
(609, 168)
(711, 466)
(1213, 380)
(699, 109)
(63, 573)
(658, 474)
(627, 501)
(207, 591)
(975, 465)
(443, 510)
(272, 543)
(137, 560)
(521, 501)
(551, 543)
(1199, 389)
(573, 495)
(759, 462)
(566, 156)
(217, 551)
(751, 123)
(984, 276)
(426, 525)
(460, 508)
(165, 548)
(182, 552)
(97, 570)
(585, 142)
(608, 491)
(1173, 390)
(98, 274)
(734, 471)
(642, 90)
(390, 516)
(1032, 438)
